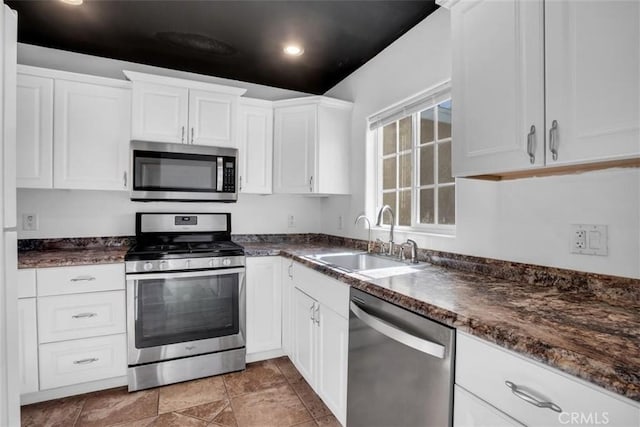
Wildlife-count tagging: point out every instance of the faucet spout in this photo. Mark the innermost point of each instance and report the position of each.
(387, 208)
(364, 217)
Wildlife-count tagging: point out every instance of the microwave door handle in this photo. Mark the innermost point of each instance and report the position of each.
(219, 174)
(207, 273)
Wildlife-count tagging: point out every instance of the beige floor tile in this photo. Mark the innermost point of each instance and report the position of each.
(226, 418)
(192, 393)
(277, 406)
(288, 369)
(307, 424)
(258, 376)
(328, 421)
(310, 399)
(208, 411)
(54, 413)
(118, 405)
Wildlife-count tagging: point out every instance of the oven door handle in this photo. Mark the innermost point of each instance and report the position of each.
(184, 274)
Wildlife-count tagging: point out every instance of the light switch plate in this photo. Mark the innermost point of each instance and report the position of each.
(589, 239)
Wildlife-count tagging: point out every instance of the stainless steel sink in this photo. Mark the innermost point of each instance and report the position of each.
(368, 264)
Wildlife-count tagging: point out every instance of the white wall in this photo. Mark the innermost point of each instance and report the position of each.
(525, 220)
(76, 213)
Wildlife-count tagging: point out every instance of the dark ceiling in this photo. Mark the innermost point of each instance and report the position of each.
(240, 40)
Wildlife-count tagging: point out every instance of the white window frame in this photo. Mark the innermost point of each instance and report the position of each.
(412, 106)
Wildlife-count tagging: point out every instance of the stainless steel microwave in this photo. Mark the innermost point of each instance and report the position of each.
(181, 172)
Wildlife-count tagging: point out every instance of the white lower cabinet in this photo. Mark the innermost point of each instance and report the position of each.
(512, 384)
(264, 304)
(72, 330)
(72, 362)
(287, 306)
(67, 317)
(320, 336)
(469, 411)
(28, 345)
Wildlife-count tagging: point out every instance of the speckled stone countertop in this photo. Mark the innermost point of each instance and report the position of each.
(42, 253)
(586, 325)
(592, 336)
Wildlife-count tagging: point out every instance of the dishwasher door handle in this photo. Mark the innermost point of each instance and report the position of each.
(428, 347)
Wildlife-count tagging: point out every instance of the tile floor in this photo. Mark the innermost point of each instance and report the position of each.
(268, 393)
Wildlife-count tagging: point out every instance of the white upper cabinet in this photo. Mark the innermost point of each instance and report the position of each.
(311, 146)
(167, 109)
(91, 136)
(295, 144)
(212, 118)
(255, 145)
(497, 86)
(544, 83)
(160, 113)
(593, 79)
(34, 132)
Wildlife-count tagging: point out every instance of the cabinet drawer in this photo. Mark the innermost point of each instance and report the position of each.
(330, 292)
(483, 368)
(68, 317)
(79, 361)
(26, 283)
(84, 278)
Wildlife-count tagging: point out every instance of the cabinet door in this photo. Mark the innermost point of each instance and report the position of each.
(264, 304)
(592, 87)
(34, 132)
(294, 145)
(287, 307)
(255, 138)
(497, 86)
(28, 345)
(333, 351)
(91, 136)
(469, 411)
(160, 113)
(211, 118)
(304, 335)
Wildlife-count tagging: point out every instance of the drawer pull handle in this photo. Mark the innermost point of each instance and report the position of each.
(85, 361)
(83, 279)
(530, 398)
(84, 315)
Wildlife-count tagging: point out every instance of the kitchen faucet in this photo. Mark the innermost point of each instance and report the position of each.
(364, 217)
(387, 208)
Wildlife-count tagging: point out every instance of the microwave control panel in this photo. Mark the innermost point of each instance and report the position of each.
(229, 175)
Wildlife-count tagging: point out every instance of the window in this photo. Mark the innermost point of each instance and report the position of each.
(413, 151)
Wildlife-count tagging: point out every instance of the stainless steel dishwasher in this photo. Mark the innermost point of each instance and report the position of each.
(400, 366)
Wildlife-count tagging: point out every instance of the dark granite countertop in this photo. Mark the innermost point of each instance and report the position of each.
(593, 338)
(586, 325)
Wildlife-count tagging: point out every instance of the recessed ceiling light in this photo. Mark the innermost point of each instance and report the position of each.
(293, 50)
(72, 2)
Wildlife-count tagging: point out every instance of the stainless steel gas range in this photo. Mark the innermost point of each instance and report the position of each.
(185, 299)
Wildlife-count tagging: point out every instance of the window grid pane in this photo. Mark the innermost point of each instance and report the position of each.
(417, 182)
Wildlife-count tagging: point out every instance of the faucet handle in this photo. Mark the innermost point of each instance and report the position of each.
(381, 245)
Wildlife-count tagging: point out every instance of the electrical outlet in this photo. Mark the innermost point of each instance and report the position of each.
(589, 239)
(291, 221)
(30, 222)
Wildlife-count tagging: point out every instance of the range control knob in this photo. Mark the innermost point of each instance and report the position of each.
(163, 265)
(187, 264)
(226, 261)
(147, 266)
(212, 263)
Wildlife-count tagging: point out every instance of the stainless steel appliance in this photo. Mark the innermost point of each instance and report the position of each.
(183, 172)
(185, 299)
(400, 366)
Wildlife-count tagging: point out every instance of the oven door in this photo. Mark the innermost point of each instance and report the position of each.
(182, 172)
(173, 315)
